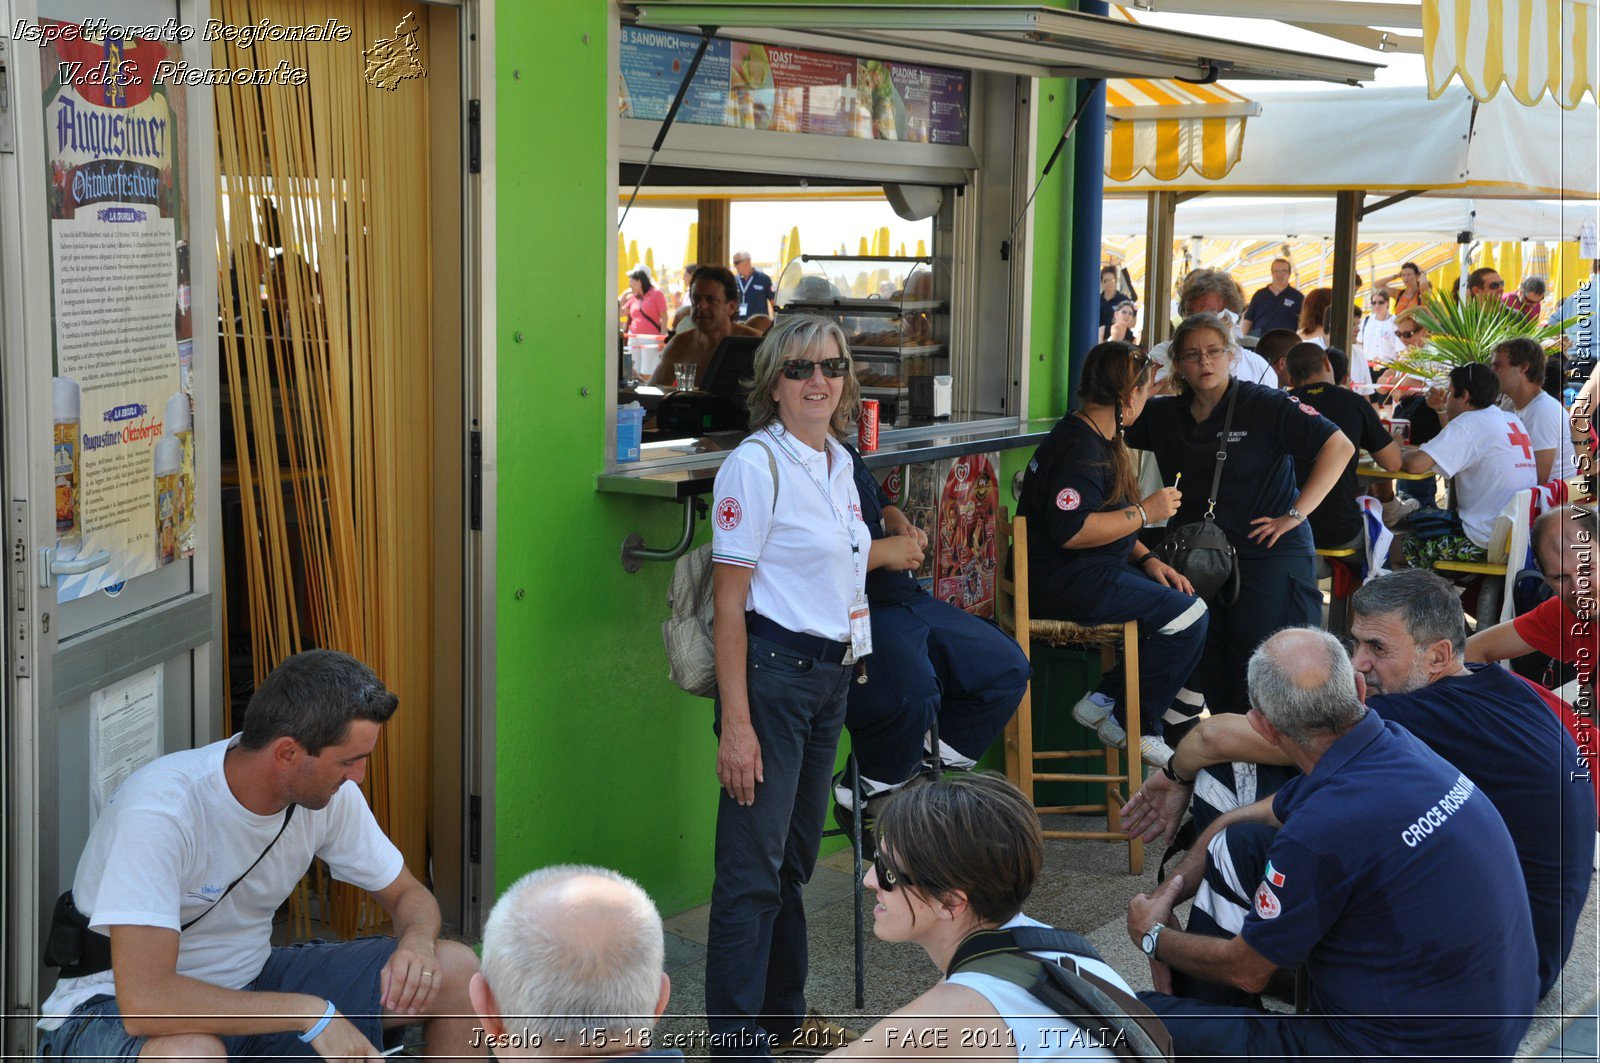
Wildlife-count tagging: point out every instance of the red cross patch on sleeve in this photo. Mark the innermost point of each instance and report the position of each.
(1068, 499)
(728, 513)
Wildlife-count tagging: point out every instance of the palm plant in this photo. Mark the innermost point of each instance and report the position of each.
(1468, 330)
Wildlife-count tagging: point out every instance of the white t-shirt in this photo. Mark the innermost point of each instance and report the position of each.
(806, 574)
(1039, 1032)
(1380, 341)
(1547, 423)
(171, 839)
(1490, 455)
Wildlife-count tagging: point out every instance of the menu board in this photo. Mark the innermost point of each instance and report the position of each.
(122, 434)
(791, 90)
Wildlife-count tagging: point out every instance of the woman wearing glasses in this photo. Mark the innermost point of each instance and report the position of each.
(1086, 563)
(1258, 505)
(790, 554)
(958, 857)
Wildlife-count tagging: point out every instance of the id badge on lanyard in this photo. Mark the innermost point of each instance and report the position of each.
(860, 626)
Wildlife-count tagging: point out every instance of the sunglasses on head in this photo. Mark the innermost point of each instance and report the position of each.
(888, 878)
(802, 368)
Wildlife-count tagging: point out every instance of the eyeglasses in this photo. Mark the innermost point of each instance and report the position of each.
(1406, 335)
(1210, 354)
(888, 878)
(802, 368)
(1497, 286)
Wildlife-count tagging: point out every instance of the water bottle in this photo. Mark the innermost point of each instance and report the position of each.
(1569, 396)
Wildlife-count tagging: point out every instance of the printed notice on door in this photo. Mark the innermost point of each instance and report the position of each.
(124, 732)
(122, 438)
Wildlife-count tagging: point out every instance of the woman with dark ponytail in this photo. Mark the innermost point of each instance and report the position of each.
(1085, 561)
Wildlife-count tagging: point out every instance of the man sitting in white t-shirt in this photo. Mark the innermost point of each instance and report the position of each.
(1519, 365)
(192, 857)
(1485, 449)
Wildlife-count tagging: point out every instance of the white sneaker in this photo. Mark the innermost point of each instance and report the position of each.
(1399, 508)
(1091, 709)
(1111, 733)
(1155, 752)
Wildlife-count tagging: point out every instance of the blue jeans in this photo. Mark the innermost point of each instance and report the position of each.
(756, 958)
(345, 972)
(931, 661)
(1172, 634)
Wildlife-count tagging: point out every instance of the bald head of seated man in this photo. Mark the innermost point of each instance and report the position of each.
(572, 967)
(713, 305)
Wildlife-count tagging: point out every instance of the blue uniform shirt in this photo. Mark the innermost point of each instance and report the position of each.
(1492, 726)
(1071, 477)
(755, 292)
(1270, 428)
(1394, 882)
(884, 586)
(1269, 310)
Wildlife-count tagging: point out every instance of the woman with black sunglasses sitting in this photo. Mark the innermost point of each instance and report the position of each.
(956, 858)
(1086, 563)
(790, 556)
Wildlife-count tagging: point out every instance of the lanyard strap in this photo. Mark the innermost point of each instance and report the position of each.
(839, 515)
(1222, 451)
(744, 283)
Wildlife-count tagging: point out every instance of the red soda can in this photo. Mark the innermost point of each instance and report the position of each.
(867, 428)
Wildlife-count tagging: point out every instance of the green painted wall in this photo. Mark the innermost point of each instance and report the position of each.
(598, 757)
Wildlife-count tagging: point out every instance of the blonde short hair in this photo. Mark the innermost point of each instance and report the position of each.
(796, 336)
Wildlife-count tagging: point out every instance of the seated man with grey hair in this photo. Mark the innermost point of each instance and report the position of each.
(1214, 291)
(1409, 635)
(1381, 869)
(572, 966)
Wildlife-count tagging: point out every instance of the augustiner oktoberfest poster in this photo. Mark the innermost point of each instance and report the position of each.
(123, 443)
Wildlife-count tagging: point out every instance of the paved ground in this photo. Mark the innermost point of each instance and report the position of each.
(1085, 887)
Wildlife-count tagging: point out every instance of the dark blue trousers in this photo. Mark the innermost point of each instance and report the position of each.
(756, 953)
(1172, 635)
(931, 661)
(1276, 590)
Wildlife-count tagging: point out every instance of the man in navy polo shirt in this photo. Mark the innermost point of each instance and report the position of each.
(1410, 635)
(1275, 306)
(1390, 878)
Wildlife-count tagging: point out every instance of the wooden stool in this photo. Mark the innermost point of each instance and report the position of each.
(1011, 609)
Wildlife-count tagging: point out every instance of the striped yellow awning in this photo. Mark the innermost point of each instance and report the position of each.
(1166, 127)
(1530, 46)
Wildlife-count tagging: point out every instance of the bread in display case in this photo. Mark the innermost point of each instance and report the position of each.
(894, 316)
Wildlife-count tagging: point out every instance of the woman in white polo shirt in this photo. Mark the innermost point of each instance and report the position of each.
(791, 555)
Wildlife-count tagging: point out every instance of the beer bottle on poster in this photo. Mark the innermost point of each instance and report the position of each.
(67, 452)
(180, 424)
(169, 479)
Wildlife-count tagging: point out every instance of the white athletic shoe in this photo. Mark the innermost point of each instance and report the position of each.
(1091, 709)
(1155, 752)
(1111, 732)
(1399, 508)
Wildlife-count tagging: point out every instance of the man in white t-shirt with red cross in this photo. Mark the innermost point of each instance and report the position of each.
(1486, 450)
(1519, 365)
(166, 936)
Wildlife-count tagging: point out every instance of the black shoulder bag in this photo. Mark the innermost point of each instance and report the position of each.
(1105, 1013)
(79, 951)
(1201, 550)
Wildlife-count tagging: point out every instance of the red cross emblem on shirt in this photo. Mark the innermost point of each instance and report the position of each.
(1519, 438)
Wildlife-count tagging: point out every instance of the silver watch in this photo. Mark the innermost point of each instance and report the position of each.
(1297, 515)
(1151, 936)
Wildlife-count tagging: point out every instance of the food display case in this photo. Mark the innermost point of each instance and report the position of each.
(897, 321)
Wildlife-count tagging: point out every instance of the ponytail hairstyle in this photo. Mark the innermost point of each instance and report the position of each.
(1111, 372)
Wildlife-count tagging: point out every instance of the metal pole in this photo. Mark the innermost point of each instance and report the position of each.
(1346, 220)
(1160, 220)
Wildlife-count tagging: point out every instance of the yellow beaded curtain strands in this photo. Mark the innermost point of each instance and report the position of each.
(324, 224)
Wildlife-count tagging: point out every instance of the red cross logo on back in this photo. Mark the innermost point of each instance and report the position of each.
(1519, 438)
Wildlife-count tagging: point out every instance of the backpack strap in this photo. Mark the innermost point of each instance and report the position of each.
(772, 466)
(1084, 998)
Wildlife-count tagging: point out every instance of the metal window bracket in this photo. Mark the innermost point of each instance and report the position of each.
(8, 125)
(635, 553)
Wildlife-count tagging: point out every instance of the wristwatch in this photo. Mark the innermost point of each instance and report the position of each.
(1151, 937)
(1297, 515)
(1166, 769)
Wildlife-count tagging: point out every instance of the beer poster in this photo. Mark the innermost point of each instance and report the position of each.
(122, 445)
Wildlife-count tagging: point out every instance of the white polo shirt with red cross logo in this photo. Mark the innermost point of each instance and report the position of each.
(1490, 455)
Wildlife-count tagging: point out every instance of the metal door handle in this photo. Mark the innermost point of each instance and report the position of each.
(50, 566)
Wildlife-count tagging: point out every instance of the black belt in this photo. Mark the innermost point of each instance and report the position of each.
(822, 649)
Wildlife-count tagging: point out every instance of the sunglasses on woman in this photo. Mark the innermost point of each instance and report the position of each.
(802, 368)
(888, 878)
(1406, 335)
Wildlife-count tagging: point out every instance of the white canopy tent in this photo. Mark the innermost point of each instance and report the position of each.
(1426, 217)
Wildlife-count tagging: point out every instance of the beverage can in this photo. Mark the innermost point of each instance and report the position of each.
(867, 429)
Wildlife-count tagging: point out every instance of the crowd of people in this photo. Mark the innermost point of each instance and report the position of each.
(1408, 827)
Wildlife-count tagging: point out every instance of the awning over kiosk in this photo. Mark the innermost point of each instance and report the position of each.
(1028, 40)
(1529, 46)
(1167, 127)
